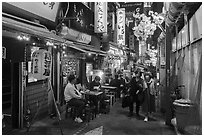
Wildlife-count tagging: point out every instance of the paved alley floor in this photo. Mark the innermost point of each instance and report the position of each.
(114, 123)
(117, 123)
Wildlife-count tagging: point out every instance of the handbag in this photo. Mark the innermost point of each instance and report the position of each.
(126, 101)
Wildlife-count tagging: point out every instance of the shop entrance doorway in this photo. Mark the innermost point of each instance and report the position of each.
(6, 96)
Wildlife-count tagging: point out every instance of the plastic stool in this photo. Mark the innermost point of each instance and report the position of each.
(111, 99)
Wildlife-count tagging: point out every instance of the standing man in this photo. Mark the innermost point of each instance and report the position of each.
(122, 85)
(136, 89)
(116, 83)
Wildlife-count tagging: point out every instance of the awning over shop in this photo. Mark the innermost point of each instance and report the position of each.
(80, 49)
(86, 48)
(18, 24)
(25, 26)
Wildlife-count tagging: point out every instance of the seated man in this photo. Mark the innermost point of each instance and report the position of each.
(78, 85)
(95, 85)
(74, 97)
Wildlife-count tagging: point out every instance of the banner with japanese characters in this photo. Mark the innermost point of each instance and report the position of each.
(41, 64)
(100, 24)
(47, 10)
(121, 26)
(131, 42)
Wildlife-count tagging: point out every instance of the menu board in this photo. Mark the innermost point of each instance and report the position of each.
(69, 66)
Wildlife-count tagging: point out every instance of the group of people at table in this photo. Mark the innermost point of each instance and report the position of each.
(139, 84)
(76, 95)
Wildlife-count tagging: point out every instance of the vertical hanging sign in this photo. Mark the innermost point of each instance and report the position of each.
(121, 26)
(131, 42)
(113, 21)
(100, 17)
(4, 52)
(41, 64)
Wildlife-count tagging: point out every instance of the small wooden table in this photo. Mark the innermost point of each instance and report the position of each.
(110, 91)
(108, 87)
(95, 94)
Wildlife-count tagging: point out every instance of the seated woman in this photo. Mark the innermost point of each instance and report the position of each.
(74, 97)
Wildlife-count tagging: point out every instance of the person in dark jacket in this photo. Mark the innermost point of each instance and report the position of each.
(122, 85)
(116, 83)
(95, 84)
(136, 88)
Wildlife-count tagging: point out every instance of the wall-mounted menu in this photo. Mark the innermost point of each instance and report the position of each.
(69, 66)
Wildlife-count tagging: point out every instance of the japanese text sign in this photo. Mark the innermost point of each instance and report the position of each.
(41, 64)
(100, 17)
(46, 10)
(69, 65)
(4, 52)
(121, 26)
(131, 42)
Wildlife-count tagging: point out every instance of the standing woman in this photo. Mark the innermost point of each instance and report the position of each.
(150, 91)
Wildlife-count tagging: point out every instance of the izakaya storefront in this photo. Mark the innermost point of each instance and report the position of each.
(114, 62)
(29, 64)
(78, 57)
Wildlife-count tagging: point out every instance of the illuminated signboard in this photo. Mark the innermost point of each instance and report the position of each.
(100, 17)
(121, 26)
(74, 35)
(46, 10)
(131, 42)
(4, 52)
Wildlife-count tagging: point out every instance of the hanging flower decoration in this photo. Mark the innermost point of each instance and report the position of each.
(146, 25)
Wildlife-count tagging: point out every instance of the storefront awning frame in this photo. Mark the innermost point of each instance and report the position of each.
(79, 49)
(18, 24)
(89, 49)
(31, 28)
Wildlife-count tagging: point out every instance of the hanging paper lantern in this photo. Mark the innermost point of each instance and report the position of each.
(41, 64)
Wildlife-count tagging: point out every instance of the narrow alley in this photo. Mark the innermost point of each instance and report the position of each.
(116, 122)
(102, 68)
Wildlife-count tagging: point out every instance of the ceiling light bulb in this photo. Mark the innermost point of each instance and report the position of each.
(19, 38)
